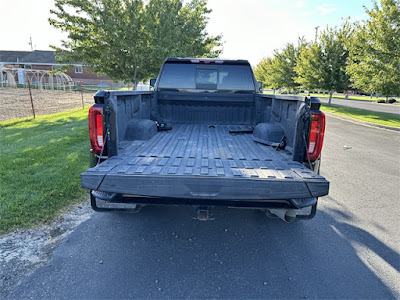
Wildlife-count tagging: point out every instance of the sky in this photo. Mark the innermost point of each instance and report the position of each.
(251, 29)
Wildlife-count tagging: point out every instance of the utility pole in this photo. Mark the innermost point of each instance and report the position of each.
(30, 43)
(316, 33)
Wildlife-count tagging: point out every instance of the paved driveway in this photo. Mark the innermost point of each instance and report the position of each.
(350, 250)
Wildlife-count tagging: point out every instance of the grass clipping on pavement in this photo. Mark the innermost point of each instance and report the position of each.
(40, 167)
(364, 115)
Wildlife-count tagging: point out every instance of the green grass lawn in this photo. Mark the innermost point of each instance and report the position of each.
(365, 115)
(40, 167)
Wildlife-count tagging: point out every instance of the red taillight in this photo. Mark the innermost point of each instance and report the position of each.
(316, 135)
(96, 128)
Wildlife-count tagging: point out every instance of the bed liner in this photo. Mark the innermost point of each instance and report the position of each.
(197, 161)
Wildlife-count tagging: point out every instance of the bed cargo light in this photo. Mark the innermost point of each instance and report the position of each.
(96, 128)
(316, 135)
(207, 61)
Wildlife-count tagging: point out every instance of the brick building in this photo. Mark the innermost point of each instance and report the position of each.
(45, 60)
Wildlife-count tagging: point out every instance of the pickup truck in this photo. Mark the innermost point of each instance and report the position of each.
(206, 136)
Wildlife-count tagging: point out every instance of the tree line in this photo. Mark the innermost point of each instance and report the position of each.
(128, 40)
(360, 56)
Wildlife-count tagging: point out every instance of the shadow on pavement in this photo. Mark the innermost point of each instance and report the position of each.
(162, 253)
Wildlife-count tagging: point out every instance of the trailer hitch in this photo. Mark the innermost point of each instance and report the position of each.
(203, 213)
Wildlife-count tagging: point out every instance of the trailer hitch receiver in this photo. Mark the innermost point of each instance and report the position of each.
(203, 213)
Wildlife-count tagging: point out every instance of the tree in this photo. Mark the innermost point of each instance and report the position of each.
(374, 60)
(278, 72)
(174, 30)
(323, 63)
(127, 39)
(263, 73)
(284, 62)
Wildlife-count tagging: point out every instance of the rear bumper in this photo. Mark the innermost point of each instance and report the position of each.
(297, 203)
(302, 208)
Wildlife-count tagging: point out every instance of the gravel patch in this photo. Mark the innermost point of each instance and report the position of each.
(23, 251)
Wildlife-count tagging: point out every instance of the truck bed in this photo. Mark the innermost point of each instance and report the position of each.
(198, 161)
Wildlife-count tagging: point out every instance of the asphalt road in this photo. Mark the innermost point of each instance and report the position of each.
(368, 105)
(349, 250)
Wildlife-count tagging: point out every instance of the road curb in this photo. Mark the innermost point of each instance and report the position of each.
(366, 100)
(361, 122)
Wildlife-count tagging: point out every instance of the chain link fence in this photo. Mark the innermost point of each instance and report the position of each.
(24, 102)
